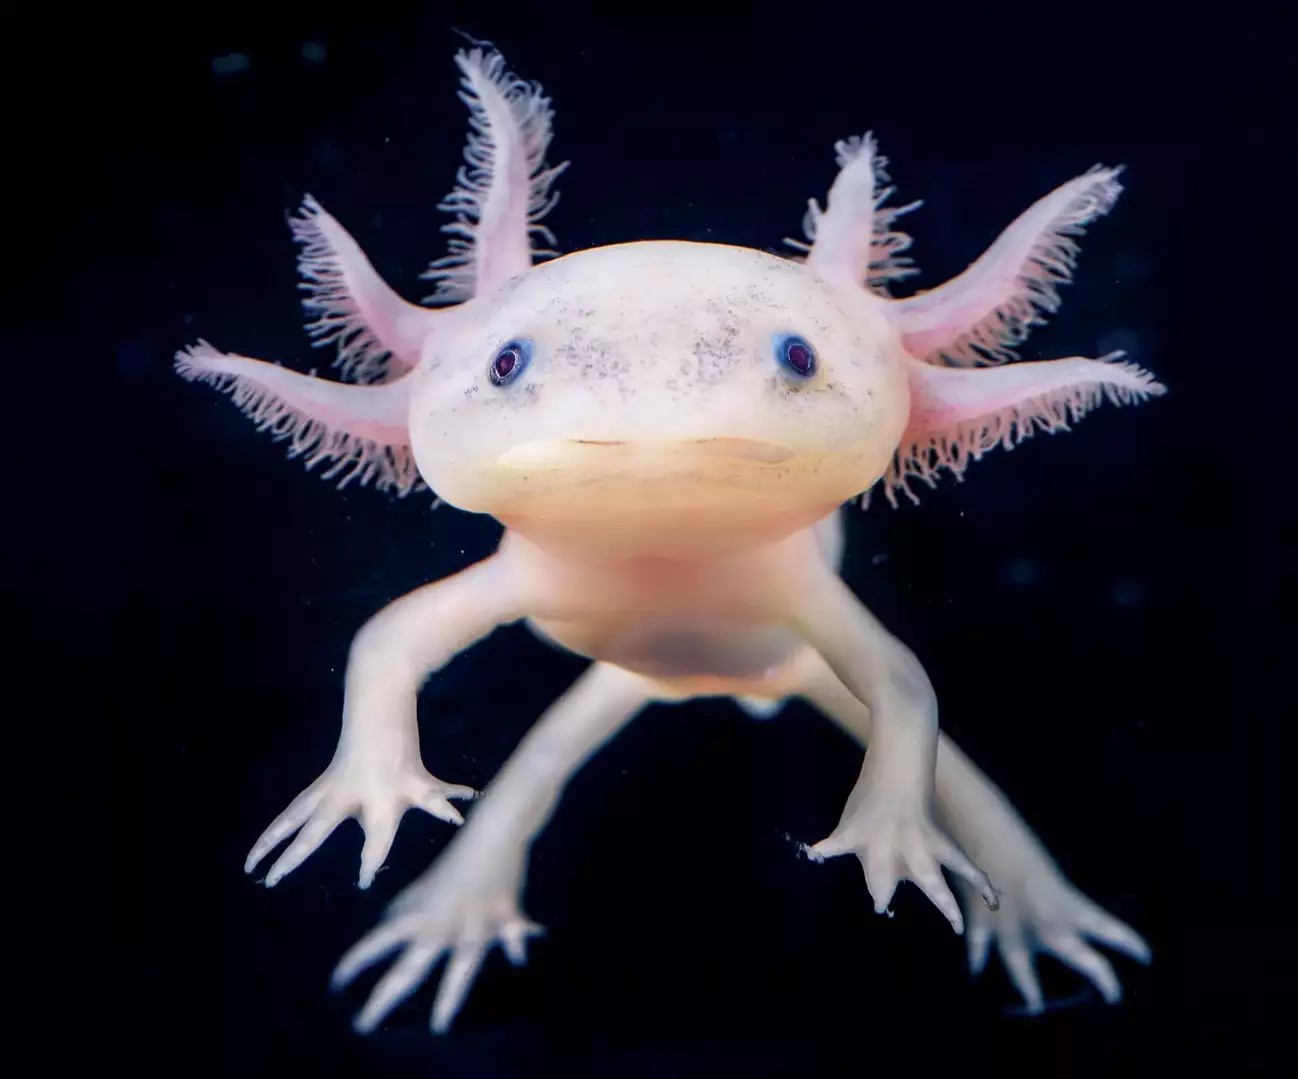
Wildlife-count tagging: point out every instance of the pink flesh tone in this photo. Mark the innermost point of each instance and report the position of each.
(504, 190)
(958, 415)
(646, 402)
(379, 335)
(360, 431)
(978, 317)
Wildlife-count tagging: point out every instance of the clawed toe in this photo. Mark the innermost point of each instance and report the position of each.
(893, 849)
(425, 941)
(1044, 915)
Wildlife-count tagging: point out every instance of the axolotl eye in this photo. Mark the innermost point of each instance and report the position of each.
(509, 362)
(796, 355)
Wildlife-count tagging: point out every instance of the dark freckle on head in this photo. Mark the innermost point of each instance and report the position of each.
(837, 389)
(716, 353)
(510, 287)
(784, 388)
(780, 386)
(714, 357)
(516, 397)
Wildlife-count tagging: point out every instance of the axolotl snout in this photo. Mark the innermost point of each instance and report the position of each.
(667, 431)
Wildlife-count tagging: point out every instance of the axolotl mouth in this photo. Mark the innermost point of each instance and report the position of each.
(569, 452)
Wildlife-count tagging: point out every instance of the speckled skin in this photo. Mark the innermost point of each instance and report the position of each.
(670, 486)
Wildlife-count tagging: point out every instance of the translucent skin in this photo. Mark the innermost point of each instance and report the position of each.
(670, 491)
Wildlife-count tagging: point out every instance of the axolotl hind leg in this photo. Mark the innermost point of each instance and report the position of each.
(470, 899)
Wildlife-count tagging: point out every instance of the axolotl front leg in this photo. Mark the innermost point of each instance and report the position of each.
(470, 898)
(887, 822)
(1040, 911)
(376, 773)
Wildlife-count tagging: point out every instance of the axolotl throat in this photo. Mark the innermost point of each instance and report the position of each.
(667, 432)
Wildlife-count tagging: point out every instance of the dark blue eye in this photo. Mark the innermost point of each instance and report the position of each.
(796, 355)
(509, 362)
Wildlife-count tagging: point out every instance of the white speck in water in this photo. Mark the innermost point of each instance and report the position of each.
(313, 52)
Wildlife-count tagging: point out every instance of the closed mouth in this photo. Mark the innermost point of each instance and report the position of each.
(552, 453)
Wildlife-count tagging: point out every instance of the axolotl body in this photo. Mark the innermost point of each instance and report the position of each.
(667, 432)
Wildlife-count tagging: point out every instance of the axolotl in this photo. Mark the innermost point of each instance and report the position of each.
(668, 433)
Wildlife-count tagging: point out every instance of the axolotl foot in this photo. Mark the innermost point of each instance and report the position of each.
(376, 796)
(1041, 912)
(461, 911)
(894, 844)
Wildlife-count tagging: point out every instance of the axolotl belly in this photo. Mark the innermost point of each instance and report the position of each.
(684, 650)
(667, 432)
(686, 624)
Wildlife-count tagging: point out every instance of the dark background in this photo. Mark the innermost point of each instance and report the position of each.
(1093, 608)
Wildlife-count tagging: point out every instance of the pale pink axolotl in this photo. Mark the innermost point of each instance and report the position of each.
(667, 432)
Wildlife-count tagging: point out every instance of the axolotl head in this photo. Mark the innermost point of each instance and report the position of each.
(660, 397)
(665, 398)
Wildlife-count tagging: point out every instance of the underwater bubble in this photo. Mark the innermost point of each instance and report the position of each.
(1021, 572)
(232, 63)
(1121, 340)
(1127, 594)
